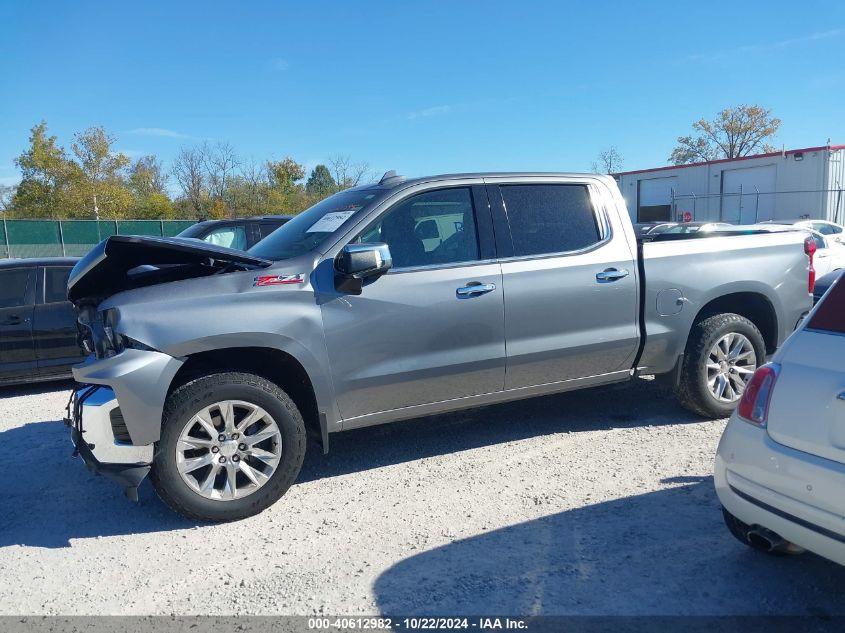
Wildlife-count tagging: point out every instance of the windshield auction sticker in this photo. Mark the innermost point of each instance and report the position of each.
(330, 222)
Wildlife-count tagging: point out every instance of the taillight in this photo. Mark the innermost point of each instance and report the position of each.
(810, 250)
(754, 405)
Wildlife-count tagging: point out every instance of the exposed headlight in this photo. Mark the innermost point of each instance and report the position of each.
(98, 333)
(112, 342)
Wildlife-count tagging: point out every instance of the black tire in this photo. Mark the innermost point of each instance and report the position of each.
(692, 390)
(184, 402)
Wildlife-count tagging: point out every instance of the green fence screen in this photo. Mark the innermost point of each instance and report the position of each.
(74, 238)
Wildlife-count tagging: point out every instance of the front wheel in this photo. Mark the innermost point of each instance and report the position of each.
(231, 445)
(720, 357)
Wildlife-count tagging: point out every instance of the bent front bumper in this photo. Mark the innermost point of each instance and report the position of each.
(99, 437)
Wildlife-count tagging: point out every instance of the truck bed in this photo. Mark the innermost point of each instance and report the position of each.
(682, 275)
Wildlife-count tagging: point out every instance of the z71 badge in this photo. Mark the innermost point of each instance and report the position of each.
(278, 280)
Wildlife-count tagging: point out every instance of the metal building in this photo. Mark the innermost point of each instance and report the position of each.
(782, 185)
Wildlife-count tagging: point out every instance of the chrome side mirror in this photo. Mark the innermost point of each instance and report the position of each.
(357, 262)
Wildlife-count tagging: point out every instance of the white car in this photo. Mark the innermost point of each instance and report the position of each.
(834, 231)
(780, 466)
(830, 251)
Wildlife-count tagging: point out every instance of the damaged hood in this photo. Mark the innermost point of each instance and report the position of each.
(124, 262)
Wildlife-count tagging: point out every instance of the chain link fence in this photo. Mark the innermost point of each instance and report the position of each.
(751, 206)
(74, 238)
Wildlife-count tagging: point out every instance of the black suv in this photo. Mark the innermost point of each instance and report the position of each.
(241, 233)
(37, 322)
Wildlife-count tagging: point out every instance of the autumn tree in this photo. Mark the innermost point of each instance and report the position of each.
(7, 194)
(104, 190)
(608, 161)
(284, 174)
(48, 178)
(248, 189)
(320, 183)
(147, 176)
(735, 132)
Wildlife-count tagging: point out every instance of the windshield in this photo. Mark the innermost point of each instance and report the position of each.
(309, 229)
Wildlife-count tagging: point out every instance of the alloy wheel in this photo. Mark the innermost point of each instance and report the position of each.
(228, 450)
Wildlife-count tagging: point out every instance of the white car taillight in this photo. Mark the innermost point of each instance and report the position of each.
(754, 405)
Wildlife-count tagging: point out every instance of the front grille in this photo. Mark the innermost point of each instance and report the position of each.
(118, 427)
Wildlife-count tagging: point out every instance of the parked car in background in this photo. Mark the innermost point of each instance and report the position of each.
(240, 233)
(831, 229)
(38, 333)
(830, 253)
(780, 466)
(397, 300)
(687, 227)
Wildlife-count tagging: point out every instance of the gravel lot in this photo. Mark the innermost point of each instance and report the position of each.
(597, 502)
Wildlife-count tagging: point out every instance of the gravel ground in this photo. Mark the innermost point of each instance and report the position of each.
(597, 502)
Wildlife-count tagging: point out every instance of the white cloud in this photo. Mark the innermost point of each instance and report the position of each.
(429, 112)
(157, 131)
(768, 47)
(279, 63)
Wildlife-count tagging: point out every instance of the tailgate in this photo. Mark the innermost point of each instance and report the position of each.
(807, 410)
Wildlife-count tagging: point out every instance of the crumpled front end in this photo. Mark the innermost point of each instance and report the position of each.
(115, 417)
(100, 438)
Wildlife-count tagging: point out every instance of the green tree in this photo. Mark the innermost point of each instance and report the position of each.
(48, 178)
(156, 206)
(735, 132)
(105, 191)
(320, 182)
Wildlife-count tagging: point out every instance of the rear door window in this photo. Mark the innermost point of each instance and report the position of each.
(268, 227)
(17, 287)
(228, 236)
(550, 218)
(55, 284)
(830, 314)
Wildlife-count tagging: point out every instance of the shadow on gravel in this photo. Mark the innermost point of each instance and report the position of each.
(627, 405)
(49, 498)
(662, 553)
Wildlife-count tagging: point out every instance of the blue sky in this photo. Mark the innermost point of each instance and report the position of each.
(424, 87)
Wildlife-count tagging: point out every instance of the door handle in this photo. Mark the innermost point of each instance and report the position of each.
(610, 274)
(474, 288)
(12, 319)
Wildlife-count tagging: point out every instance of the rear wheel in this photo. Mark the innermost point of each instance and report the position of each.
(721, 355)
(231, 444)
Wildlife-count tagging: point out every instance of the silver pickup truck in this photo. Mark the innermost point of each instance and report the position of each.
(208, 367)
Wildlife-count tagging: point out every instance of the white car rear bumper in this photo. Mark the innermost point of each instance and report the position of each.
(796, 494)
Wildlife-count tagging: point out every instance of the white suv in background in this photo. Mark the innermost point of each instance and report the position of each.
(780, 466)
